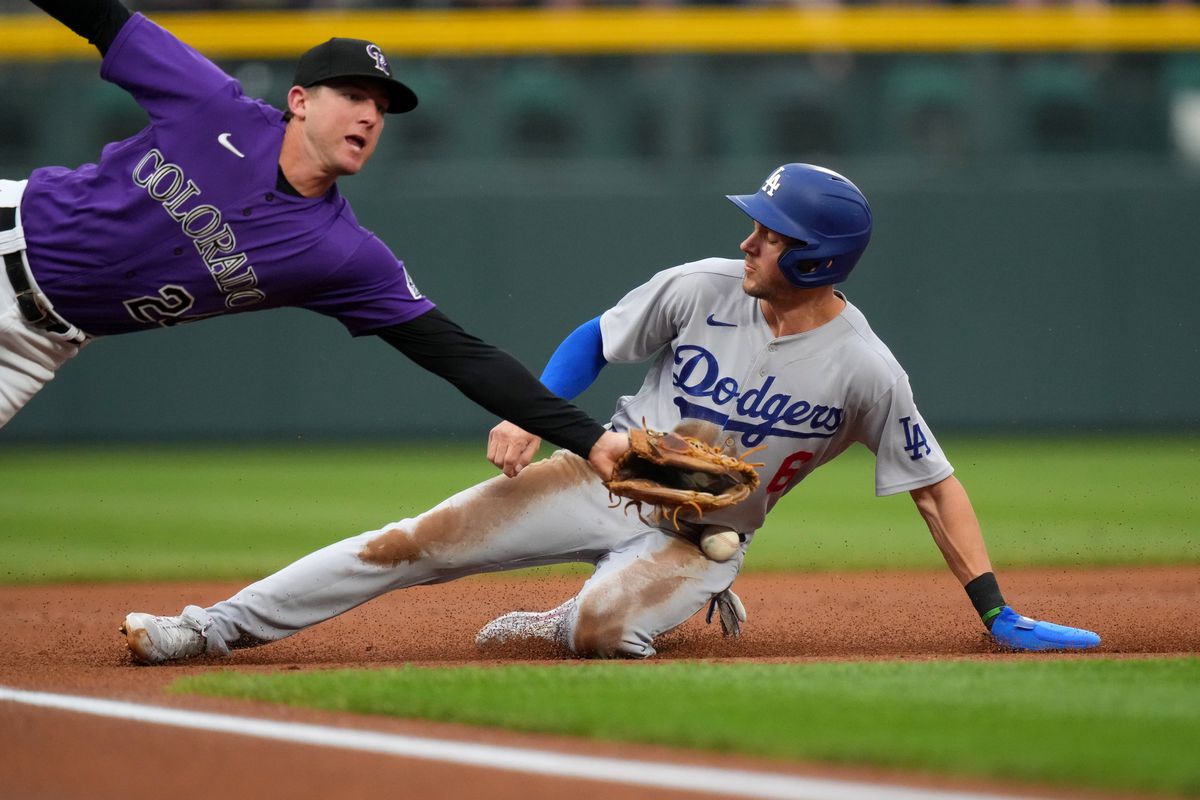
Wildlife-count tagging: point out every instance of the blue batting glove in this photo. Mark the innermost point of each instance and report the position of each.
(1010, 629)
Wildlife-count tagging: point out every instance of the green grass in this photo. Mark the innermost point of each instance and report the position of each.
(193, 512)
(1041, 501)
(238, 513)
(1112, 724)
(185, 513)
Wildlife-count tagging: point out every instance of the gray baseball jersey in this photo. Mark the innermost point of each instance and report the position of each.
(718, 369)
(807, 396)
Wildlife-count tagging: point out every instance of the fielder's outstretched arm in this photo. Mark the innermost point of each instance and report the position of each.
(500, 383)
(572, 368)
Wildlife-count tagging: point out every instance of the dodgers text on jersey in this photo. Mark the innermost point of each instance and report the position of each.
(760, 413)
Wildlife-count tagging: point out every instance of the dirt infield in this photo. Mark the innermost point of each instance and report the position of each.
(64, 639)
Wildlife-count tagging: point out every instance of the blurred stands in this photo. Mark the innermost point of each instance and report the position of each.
(953, 107)
(1181, 88)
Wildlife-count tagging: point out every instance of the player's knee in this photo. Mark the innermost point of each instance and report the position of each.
(605, 633)
(613, 647)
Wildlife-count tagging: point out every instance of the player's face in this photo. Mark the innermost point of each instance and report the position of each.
(343, 122)
(763, 278)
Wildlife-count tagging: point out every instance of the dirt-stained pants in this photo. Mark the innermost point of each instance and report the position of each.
(647, 581)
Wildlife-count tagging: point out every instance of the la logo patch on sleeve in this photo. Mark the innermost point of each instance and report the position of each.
(915, 443)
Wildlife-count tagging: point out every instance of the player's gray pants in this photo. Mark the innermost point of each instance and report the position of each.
(29, 356)
(647, 581)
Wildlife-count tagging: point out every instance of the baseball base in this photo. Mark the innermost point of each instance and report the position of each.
(719, 544)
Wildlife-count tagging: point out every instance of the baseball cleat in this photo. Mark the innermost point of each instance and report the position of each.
(517, 626)
(153, 639)
(1019, 632)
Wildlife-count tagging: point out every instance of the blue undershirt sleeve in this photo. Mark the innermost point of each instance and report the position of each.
(576, 362)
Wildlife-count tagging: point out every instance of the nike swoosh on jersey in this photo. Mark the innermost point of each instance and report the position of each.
(223, 140)
(716, 323)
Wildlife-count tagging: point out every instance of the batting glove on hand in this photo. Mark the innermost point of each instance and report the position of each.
(731, 610)
(1010, 629)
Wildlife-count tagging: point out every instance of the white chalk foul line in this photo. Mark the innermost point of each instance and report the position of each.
(712, 780)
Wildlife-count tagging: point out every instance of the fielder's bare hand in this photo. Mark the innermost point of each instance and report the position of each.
(511, 447)
(605, 453)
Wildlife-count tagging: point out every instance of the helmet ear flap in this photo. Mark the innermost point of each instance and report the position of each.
(800, 268)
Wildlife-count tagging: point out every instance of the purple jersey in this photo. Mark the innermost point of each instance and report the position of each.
(183, 221)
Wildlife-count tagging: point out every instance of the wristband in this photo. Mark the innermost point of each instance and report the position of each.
(990, 616)
(985, 596)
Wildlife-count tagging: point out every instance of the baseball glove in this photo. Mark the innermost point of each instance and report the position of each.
(671, 473)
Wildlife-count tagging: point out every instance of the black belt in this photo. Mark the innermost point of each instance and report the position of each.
(29, 301)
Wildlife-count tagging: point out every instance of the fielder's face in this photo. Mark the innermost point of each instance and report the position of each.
(763, 278)
(342, 123)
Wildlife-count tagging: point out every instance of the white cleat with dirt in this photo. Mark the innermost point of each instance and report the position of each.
(154, 640)
(521, 626)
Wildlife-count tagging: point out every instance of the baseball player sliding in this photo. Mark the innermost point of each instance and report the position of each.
(761, 350)
(222, 205)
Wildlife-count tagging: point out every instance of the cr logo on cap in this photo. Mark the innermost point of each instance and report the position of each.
(380, 60)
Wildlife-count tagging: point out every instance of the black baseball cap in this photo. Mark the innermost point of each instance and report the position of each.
(353, 58)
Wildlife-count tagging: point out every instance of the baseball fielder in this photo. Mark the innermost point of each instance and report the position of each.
(223, 205)
(742, 353)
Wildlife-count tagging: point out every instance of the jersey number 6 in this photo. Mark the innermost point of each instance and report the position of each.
(787, 471)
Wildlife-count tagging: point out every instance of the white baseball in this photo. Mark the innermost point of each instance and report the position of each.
(719, 544)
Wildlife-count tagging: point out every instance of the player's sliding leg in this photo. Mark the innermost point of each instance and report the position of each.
(650, 585)
(555, 511)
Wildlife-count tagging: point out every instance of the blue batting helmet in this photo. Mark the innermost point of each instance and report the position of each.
(826, 213)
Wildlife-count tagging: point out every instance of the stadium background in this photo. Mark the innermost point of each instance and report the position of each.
(1034, 175)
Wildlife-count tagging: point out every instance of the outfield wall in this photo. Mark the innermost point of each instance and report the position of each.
(1034, 263)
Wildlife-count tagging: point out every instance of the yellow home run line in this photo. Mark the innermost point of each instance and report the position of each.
(490, 32)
